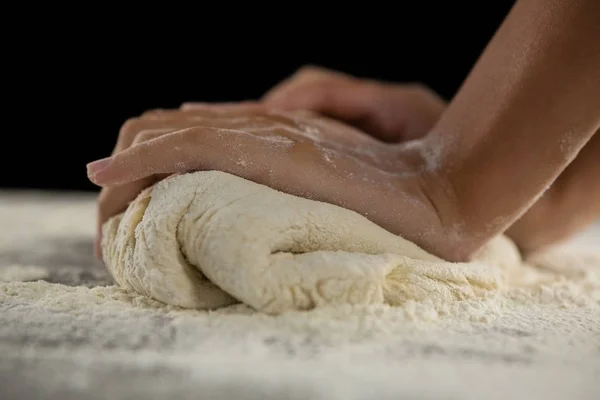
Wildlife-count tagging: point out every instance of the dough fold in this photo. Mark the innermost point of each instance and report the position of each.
(210, 239)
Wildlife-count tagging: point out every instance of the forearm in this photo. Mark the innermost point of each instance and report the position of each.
(528, 107)
(570, 205)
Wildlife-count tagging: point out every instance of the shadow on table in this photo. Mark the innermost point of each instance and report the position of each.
(68, 261)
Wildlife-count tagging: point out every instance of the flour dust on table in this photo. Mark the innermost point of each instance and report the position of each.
(358, 313)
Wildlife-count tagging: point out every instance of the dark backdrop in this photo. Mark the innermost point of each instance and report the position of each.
(87, 80)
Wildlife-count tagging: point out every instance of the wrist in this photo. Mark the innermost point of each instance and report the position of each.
(451, 234)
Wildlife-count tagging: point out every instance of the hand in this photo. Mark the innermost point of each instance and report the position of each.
(390, 112)
(295, 152)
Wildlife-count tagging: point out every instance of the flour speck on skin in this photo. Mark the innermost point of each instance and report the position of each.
(566, 143)
(278, 141)
(328, 155)
(431, 154)
(312, 133)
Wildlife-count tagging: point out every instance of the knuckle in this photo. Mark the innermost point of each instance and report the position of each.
(324, 94)
(313, 70)
(372, 89)
(145, 135)
(407, 93)
(308, 74)
(419, 88)
(131, 128)
(301, 80)
(319, 74)
(424, 94)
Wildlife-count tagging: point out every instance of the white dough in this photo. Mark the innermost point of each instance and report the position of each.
(210, 239)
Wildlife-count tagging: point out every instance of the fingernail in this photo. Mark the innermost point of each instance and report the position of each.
(97, 166)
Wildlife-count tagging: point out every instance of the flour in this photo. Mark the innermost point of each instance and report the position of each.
(536, 341)
(22, 273)
(561, 306)
(207, 240)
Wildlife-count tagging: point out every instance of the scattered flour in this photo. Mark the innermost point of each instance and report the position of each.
(22, 273)
(538, 341)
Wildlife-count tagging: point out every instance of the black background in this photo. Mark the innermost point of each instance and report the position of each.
(75, 83)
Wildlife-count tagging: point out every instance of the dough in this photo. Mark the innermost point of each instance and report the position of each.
(210, 239)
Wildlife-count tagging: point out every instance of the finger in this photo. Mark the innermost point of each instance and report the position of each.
(172, 120)
(209, 111)
(305, 76)
(186, 107)
(132, 127)
(302, 76)
(194, 105)
(190, 149)
(333, 93)
(352, 102)
(113, 200)
(231, 106)
(153, 119)
(324, 176)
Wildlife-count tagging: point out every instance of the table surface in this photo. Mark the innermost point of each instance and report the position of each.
(77, 353)
(54, 230)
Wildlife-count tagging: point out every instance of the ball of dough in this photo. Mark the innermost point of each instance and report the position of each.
(210, 239)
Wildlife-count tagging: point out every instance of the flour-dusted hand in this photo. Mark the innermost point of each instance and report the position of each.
(391, 112)
(517, 147)
(292, 151)
(510, 135)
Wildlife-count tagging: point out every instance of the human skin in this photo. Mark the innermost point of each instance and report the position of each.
(398, 113)
(391, 112)
(529, 106)
(570, 205)
(294, 152)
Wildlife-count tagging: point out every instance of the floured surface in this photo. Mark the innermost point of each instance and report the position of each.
(64, 340)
